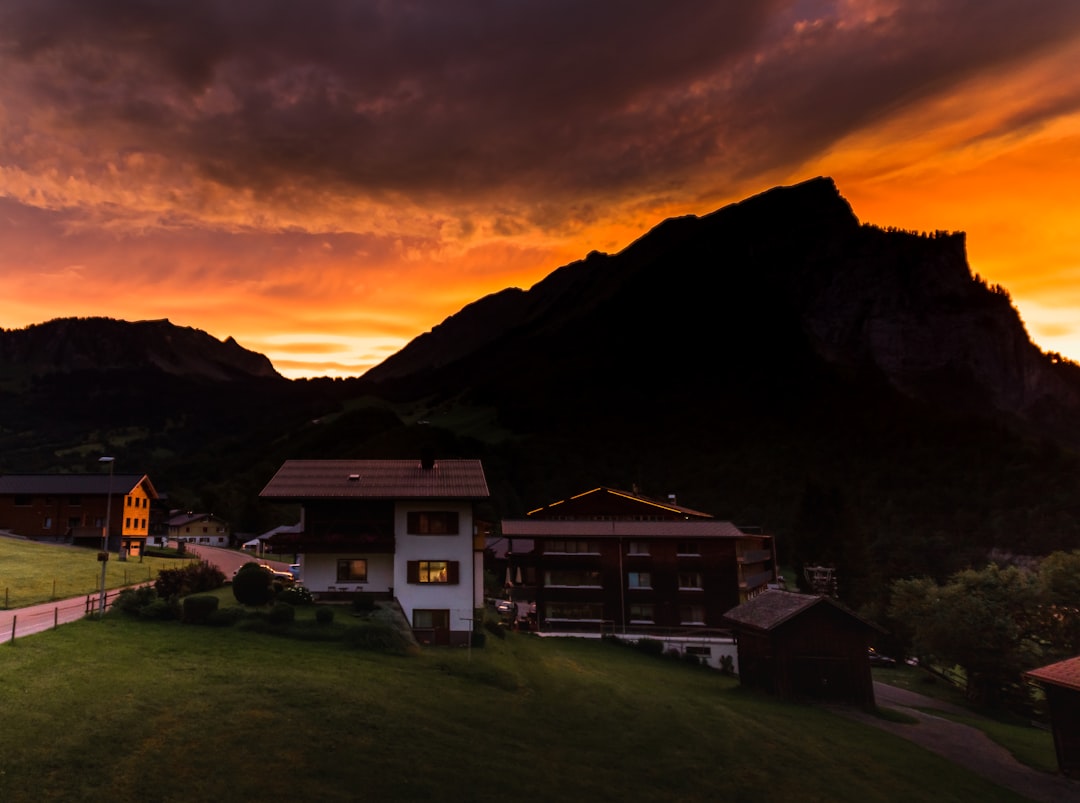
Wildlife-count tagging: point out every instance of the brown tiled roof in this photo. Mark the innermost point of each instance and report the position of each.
(560, 528)
(772, 608)
(1064, 673)
(74, 484)
(377, 479)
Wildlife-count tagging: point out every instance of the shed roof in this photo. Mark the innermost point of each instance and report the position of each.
(75, 484)
(618, 528)
(377, 479)
(772, 608)
(1064, 673)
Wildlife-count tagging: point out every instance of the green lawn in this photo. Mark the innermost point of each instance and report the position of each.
(129, 710)
(31, 573)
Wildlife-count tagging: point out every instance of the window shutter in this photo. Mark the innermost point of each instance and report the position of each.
(452, 572)
(412, 571)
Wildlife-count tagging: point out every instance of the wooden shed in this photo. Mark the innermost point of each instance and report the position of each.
(799, 646)
(1061, 682)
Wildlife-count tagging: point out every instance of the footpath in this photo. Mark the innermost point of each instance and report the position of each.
(969, 747)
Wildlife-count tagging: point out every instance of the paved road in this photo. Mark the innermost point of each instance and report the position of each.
(966, 746)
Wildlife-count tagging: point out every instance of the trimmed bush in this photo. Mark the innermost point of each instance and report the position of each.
(324, 615)
(282, 614)
(191, 579)
(198, 608)
(252, 585)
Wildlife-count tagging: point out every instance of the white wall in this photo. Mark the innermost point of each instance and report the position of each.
(459, 599)
(319, 572)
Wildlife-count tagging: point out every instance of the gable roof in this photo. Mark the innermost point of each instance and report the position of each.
(377, 479)
(181, 519)
(772, 608)
(584, 528)
(1064, 673)
(669, 507)
(75, 484)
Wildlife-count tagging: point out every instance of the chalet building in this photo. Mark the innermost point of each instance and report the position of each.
(1061, 683)
(71, 508)
(616, 562)
(198, 528)
(804, 646)
(392, 529)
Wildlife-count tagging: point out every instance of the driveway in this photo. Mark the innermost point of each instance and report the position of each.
(964, 745)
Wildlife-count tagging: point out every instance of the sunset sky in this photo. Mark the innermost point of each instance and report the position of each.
(325, 181)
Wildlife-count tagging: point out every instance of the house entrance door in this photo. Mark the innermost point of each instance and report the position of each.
(431, 626)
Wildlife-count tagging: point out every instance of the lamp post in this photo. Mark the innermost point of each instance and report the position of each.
(103, 555)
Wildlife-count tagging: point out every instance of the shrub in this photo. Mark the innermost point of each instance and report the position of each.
(691, 659)
(191, 579)
(199, 607)
(727, 665)
(132, 600)
(297, 595)
(251, 585)
(324, 615)
(363, 603)
(282, 614)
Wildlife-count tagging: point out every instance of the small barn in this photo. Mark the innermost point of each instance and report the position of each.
(1061, 682)
(800, 646)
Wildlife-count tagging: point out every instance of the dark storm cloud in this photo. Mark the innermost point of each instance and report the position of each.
(477, 98)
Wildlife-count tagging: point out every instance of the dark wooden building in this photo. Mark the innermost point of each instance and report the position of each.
(1061, 682)
(800, 646)
(618, 562)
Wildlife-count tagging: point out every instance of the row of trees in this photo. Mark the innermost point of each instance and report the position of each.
(995, 623)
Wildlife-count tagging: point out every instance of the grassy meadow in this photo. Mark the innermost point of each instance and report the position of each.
(124, 709)
(32, 573)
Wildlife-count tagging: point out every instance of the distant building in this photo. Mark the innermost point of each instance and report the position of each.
(617, 562)
(71, 508)
(198, 528)
(401, 530)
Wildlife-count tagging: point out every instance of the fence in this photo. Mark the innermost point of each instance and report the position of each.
(36, 619)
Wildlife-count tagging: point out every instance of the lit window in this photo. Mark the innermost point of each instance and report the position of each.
(427, 572)
(352, 570)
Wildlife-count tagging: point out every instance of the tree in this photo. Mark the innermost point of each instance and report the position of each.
(252, 584)
(985, 621)
(1059, 581)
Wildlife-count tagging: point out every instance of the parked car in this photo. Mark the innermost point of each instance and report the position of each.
(506, 607)
(877, 659)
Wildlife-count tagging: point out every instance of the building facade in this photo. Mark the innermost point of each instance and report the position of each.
(71, 508)
(391, 529)
(198, 528)
(619, 563)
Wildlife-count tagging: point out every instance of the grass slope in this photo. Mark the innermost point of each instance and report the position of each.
(32, 573)
(128, 710)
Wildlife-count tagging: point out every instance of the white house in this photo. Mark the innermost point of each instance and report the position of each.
(198, 528)
(392, 529)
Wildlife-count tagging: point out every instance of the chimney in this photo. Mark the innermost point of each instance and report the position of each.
(427, 458)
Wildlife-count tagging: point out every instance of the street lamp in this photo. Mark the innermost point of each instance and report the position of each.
(103, 556)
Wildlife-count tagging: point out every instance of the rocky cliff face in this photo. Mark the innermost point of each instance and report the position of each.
(103, 344)
(785, 278)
